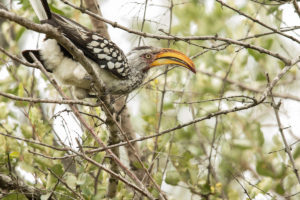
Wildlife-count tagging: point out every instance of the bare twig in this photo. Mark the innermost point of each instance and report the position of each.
(143, 21)
(287, 147)
(55, 101)
(52, 157)
(65, 184)
(91, 131)
(258, 22)
(264, 95)
(163, 92)
(245, 191)
(283, 149)
(15, 58)
(187, 38)
(34, 142)
(245, 87)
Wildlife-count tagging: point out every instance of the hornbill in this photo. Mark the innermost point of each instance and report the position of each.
(120, 74)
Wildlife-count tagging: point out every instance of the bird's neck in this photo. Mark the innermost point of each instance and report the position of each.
(136, 77)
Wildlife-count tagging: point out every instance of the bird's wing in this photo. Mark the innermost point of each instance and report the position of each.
(100, 50)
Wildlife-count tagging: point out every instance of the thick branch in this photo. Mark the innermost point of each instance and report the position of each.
(92, 132)
(100, 27)
(297, 8)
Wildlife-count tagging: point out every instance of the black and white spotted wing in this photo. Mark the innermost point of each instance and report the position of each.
(106, 54)
(102, 51)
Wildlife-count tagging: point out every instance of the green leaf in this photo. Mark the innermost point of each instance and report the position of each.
(56, 10)
(193, 171)
(20, 90)
(264, 168)
(260, 136)
(14, 154)
(82, 179)
(260, 77)
(20, 33)
(158, 177)
(241, 144)
(172, 177)
(267, 44)
(205, 188)
(26, 130)
(255, 54)
(4, 110)
(272, 9)
(279, 189)
(71, 180)
(296, 153)
(58, 169)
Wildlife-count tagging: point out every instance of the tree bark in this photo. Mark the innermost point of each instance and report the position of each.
(124, 117)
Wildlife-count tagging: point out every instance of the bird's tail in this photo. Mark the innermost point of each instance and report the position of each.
(41, 9)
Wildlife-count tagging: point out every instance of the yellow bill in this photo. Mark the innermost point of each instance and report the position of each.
(170, 56)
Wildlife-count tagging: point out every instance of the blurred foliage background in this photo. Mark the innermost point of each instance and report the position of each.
(239, 155)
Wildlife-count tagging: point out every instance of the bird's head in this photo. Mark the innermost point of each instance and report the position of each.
(146, 57)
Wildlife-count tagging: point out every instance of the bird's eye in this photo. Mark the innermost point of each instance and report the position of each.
(148, 56)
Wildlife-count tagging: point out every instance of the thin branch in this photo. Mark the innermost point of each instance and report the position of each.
(142, 191)
(258, 22)
(264, 95)
(55, 101)
(51, 157)
(65, 184)
(287, 147)
(253, 185)
(78, 154)
(228, 98)
(245, 87)
(245, 191)
(222, 91)
(162, 195)
(143, 21)
(224, 45)
(90, 129)
(34, 142)
(187, 38)
(283, 149)
(52, 32)
(163, 92)
(15, 58)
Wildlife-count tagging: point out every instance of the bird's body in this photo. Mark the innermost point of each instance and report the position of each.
(118, 73)
(55, 61)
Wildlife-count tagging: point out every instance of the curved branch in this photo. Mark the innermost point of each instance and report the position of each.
(186, 38)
